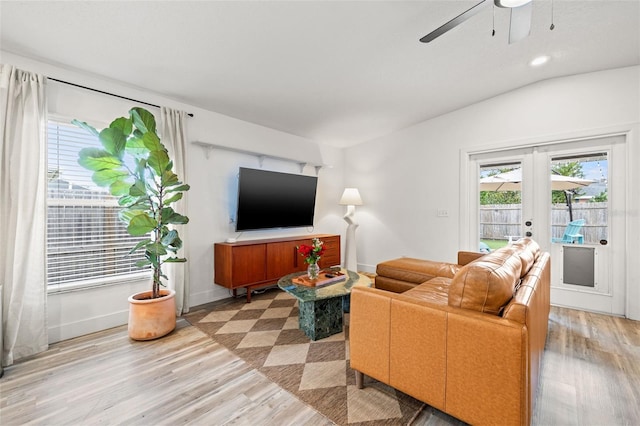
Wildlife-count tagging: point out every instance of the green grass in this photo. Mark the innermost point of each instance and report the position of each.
(495, 244)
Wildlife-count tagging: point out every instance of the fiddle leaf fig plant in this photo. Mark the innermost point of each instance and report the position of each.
(135, 166)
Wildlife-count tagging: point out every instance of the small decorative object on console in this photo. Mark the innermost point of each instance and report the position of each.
(325, 277)
(312, 254)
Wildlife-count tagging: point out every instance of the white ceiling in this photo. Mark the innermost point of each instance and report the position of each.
(338, 72)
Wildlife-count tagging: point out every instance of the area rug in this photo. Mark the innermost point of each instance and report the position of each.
(265, 334)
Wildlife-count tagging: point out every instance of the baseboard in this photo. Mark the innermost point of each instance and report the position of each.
(215, 293)
(87, 326)
(366, 268)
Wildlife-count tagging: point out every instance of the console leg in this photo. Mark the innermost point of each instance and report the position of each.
(359, 380)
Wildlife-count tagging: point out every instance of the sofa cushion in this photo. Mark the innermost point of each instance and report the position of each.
(487, 284)
(392, 284)
(415, 271)
(528, 250)
(436, 291)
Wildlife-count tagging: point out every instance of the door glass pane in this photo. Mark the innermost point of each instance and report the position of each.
(579, 199)
(500, 205)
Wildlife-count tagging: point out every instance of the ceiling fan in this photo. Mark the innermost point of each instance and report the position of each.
(520, 22)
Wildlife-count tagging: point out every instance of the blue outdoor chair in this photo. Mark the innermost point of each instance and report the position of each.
(571, 233)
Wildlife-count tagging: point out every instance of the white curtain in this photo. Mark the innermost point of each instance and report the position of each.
(22, 213)
(174, 137)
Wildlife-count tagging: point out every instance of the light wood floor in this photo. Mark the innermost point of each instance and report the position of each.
(184, 378)
(590, 376)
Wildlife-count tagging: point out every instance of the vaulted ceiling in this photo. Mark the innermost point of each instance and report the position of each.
(337, 72)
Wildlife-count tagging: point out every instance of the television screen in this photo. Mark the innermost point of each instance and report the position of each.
(269, 199)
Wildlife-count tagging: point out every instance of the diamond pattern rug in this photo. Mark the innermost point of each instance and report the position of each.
(265, 334)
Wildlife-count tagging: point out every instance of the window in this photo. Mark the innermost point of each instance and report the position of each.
(85, 238)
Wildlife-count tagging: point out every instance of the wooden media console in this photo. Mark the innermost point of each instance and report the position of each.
(253, 264)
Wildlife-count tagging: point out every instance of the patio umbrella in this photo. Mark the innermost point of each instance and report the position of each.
(512, 181)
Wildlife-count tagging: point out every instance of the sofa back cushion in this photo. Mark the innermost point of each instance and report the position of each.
(487, 284)
(528, 250)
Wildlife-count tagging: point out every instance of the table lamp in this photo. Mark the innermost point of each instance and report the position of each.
(351, 199)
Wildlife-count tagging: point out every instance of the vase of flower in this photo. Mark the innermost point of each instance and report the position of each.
(312, 254)
(313, 270)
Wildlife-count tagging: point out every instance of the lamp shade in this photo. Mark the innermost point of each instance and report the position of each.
(351, 197)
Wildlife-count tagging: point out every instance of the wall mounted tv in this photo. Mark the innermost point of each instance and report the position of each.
(269, 199)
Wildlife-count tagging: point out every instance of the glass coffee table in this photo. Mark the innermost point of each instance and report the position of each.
(321, 308)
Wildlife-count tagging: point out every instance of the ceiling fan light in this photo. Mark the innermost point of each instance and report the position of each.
(510, 3)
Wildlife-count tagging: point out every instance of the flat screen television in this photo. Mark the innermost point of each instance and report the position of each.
(268, 199)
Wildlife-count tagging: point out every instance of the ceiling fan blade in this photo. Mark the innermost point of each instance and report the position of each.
(520, 22)
(454, 22)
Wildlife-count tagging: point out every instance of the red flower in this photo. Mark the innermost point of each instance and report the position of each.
(313, 252)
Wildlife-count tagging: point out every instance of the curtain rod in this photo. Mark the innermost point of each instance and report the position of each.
(107, 93)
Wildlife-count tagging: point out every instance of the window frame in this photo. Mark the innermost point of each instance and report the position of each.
(97, 281)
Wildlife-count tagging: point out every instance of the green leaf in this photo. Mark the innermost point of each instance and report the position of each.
(143, 119)
(169, 178)
(170, 216)
(151, 257)
(156, 249)
(141, 224)
(173, 198)
(107, 177)
(119, 188)
(170, 237)
(95, 159)
(127, 201)
(175, 246)
(158, 161)
(151, 141)
(143, 263)
(175, 260)
(141, 244)
(138, 189)
(184, 187)
(113, 141)
(123, 124)
(86, 126)
(135, 146)
(172, 241)
(126, 215)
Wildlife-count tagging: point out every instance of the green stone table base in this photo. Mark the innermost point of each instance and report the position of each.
(321, 318)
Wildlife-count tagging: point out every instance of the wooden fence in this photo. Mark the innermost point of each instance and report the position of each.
(497, 221)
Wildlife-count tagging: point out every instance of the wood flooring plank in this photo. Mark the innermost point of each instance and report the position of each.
(590, 376)
(106, 378)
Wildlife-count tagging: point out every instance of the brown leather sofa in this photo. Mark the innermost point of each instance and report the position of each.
(465, 338)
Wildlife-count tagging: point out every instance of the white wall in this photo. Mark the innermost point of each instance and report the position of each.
(406, 176)
(212, 194)
(403, 178)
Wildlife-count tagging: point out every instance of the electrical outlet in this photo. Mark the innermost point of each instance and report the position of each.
(442, 213)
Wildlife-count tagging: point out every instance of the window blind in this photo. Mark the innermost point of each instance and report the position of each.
(85, 238)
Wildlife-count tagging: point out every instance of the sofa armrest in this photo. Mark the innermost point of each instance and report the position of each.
(448, 357)
(465, 257)
(487, 355)
(370, 312)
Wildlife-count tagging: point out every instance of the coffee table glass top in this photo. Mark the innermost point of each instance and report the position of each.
(309, 294)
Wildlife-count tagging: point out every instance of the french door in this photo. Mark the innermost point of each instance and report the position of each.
(568, 197)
